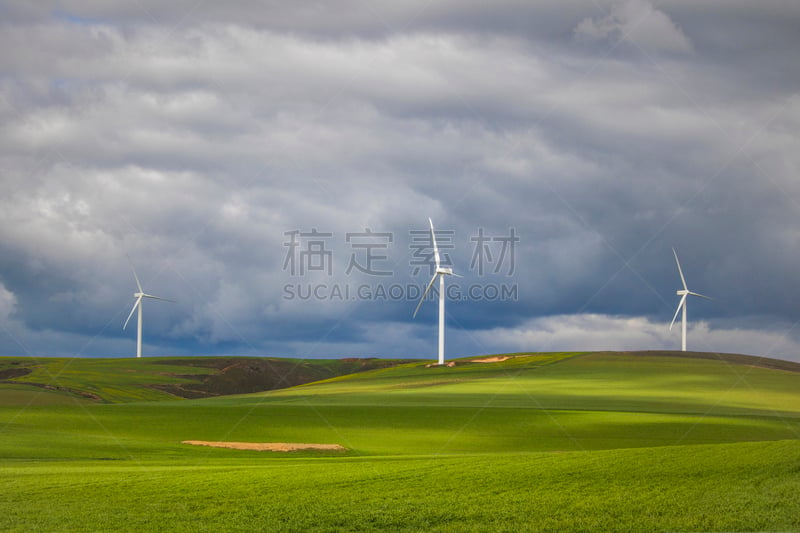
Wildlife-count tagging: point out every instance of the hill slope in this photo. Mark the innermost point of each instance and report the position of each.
(669, 382)
(24, 379)
(645, 442)
(530, 402)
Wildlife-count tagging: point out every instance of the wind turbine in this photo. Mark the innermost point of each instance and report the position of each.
(138, 305)
(684, 294)
(440, 273)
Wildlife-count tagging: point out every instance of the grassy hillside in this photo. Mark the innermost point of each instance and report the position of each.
(541, 402)
(558, 441)
(599, 381)
(164, 378)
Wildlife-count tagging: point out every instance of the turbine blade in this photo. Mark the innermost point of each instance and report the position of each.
(134, 273)
(680, 271)
(424, 294)
(157, 298)
(678, 310)
(138, 300)
(700, 295)
(435, 248)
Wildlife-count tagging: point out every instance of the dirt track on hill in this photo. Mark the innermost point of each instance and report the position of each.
(267, 446)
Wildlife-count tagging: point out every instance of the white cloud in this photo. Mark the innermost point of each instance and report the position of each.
(639, 23)
(603, 332)
(7, 303)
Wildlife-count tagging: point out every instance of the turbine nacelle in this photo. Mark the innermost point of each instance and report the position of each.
(445, 271)
(138, 295)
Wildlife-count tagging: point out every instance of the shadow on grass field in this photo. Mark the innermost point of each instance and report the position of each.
(539, 442)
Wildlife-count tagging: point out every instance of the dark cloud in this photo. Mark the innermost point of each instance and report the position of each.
(196, 138)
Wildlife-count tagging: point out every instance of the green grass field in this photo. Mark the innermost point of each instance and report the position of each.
(540, 442)
(152, 378)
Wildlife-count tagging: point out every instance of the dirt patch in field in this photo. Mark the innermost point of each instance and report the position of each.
(449, 364)
(267, 446)
(495, 359)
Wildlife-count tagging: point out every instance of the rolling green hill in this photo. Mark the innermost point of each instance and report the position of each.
(162, 378)
(557, 441)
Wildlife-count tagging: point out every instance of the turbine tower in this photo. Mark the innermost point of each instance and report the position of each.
(440, 273)
(138, 305)
(684, 294)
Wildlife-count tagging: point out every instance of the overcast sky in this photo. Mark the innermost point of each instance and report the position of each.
(272, 168)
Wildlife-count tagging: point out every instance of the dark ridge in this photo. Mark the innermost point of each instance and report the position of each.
(243, 375)
(736, 359)
(11, 373)
(73, 392)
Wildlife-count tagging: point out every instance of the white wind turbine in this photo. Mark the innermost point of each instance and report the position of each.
(684, 294)
(138, 305)
(441, 272)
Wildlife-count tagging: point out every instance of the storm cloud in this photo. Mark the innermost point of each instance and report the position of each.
(561, 148)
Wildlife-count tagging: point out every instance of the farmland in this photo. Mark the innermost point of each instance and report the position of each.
(559, 441)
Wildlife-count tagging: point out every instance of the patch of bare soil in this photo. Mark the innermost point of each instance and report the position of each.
(267, 446)
(495, 359)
